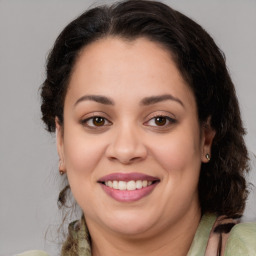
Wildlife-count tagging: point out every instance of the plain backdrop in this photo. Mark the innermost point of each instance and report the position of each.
(29, 180)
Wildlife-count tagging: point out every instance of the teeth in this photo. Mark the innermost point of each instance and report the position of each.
(115, 184)
(130, 185)
(122, 185)
(144, 183)
(138, 184)
(109, 183)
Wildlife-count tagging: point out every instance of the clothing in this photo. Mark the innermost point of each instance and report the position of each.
(240, 241)
(33, 253)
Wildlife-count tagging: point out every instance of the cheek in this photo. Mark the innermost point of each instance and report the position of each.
(82, 153)
(180, 159)
(179, 154)
(82, 157)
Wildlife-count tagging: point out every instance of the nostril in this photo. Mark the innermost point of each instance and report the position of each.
(124, 160)
(126, 152)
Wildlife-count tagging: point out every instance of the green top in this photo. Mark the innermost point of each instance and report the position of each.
(201, 237)
(33, 253)
(241, 240)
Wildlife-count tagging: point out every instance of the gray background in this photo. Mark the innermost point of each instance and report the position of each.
(29, 181)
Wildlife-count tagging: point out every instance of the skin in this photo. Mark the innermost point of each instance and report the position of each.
(131, 140)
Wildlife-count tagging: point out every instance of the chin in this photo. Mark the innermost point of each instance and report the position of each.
(130, 223)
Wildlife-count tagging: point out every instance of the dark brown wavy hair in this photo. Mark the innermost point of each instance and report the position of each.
(222, 186)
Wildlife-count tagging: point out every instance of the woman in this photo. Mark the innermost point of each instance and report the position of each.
(149, 135)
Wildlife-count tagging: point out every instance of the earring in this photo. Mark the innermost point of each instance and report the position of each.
(60, 169)
(207, 156)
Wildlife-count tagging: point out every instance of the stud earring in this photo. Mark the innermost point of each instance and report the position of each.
(60, 167)
(207, 156)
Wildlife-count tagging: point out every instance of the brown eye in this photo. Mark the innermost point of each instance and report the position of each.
(95, 122)
(98, 121)
(160, 120)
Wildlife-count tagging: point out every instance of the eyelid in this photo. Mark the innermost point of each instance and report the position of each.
(161, 113)
(170, 117)
(88, 117)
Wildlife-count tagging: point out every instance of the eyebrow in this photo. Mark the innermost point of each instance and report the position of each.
(145, 102)
(97, 98)
(156, 99)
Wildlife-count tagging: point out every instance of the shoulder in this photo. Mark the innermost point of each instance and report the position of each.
(33, 253)
(242, 240)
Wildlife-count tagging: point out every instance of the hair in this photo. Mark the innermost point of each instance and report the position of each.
(222, 186)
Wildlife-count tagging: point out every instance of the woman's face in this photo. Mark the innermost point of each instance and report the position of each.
(132, 146)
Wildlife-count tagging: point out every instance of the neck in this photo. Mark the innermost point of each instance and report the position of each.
(170, 240)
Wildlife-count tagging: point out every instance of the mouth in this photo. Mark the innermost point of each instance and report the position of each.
(128, 187)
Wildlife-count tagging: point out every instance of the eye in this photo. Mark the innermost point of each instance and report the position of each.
(160, 121)
(96, 122)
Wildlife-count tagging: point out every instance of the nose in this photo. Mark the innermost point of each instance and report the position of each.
(126, 146)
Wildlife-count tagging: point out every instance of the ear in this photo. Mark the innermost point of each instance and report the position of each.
(60, 145)
(208, 134)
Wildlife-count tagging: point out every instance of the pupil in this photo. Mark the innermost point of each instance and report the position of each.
(160, 120)
(98, 121)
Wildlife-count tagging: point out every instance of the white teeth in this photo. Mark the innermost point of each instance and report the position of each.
(144, 183)
(130, 185)
(138, 184)
(115, 184)
(122, 185)
(109, 184)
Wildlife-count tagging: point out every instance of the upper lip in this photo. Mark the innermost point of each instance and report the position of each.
(127, 177)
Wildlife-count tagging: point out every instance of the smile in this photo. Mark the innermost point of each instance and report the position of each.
(128, 187)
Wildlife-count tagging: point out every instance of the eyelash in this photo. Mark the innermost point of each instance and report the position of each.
(106, 122)
(167, 119)
(85, 122)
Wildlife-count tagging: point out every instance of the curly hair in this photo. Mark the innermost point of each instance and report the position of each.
(222, 186)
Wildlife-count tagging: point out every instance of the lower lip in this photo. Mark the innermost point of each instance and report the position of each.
(128, 195)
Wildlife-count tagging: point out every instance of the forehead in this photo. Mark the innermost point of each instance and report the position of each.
(114, 65)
